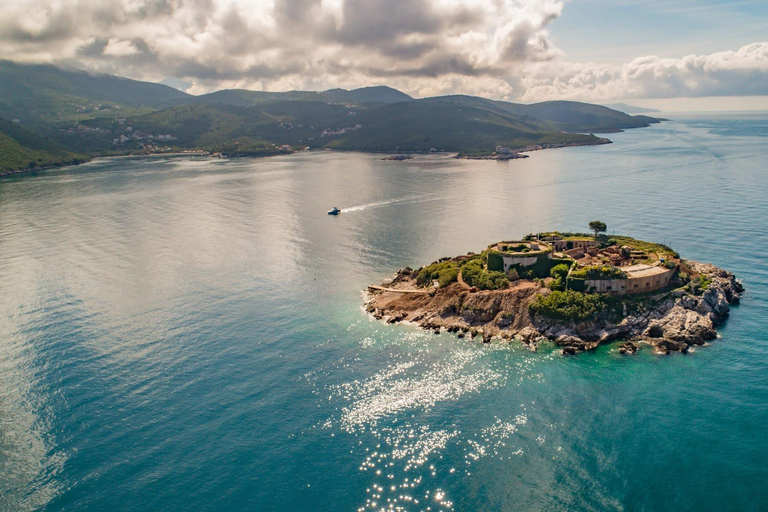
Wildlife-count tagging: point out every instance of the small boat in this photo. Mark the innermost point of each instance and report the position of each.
(334, 211)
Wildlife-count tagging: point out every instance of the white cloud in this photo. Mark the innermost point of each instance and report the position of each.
(731, 73)
(115, 48)
(495, 48)
(303, 43)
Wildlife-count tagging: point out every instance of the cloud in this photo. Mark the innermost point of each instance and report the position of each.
(743, 72)
(277, 43)
(496, 48)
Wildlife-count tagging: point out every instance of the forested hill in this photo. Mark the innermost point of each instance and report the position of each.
(81, 113)
(23, 149)
(39, 95)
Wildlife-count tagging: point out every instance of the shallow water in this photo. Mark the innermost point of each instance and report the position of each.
(179, 334)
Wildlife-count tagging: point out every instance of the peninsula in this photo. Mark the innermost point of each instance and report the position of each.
(576, 290)
(51, 116)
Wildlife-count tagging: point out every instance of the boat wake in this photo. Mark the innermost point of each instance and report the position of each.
(378, 204)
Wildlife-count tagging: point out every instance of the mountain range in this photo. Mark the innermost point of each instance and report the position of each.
(53, 116)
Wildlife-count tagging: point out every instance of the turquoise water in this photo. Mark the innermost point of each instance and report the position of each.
(187, 335)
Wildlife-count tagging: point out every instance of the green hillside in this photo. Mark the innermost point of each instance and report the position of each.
(425, 124)
(418, 125)
(23, 149)
(377, 94)
(39, 95)
(569, 116)
(583, 117)
(59, 114)
(244, 98)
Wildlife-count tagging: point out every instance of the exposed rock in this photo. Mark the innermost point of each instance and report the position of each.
(670, 322)
(628, 348)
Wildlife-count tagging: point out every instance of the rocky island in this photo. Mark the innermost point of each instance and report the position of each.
(575, 290)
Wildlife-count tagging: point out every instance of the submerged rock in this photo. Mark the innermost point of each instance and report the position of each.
(628, 348)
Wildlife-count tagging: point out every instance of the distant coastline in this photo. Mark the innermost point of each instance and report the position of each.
(519, 153)
(395, 154)
(45, 128)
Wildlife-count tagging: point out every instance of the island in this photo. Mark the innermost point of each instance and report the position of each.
(576, 290)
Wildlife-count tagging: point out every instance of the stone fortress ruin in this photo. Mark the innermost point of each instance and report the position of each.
(612, 266)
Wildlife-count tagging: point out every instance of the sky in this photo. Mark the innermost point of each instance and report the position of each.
(682, 54)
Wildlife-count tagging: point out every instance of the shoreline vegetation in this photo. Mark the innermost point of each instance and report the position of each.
(51, 117)
(391, 156)
(515, 153)
(557, 293)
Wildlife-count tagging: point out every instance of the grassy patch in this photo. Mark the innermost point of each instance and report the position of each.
(569, 305)
(475, 275)
(445, 273)
(599, 272)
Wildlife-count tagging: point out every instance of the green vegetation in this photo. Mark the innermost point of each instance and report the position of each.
(599, 272)
(699, 284)
(445, 273)
(475, 153)
(96, 115)
(514, 248)
(243, 98)
(23, 149)
(559, 273)
(422, 125)
(475, 275)
(663, 251)
(568, 305)
(245, 146)
(42, 95)
(598, 227)
(495, 261)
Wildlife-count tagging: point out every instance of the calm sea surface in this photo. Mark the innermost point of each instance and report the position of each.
(187, 335)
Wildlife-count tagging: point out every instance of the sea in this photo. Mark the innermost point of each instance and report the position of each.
(187, 334)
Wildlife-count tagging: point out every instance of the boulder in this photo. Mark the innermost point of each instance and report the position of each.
(628, 348)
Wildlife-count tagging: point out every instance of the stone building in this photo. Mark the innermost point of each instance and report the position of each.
(574, 243)
(640, 279)
(504, 255)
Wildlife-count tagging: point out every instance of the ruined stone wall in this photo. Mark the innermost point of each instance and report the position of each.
(631, 285)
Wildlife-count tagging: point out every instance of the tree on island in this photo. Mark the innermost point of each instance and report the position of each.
(598, 227)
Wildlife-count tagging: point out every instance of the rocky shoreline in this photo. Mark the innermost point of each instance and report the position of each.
(669, 321)
(517, 152)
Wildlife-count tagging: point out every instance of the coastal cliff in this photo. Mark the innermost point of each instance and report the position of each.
(671, 320)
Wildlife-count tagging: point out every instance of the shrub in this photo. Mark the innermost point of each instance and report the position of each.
(568, 305)
(559, 271)
(599, 272)
(557, 284)
(513, 275)
(495, 261)
(445, 272)
(475, 275)
(699, 284)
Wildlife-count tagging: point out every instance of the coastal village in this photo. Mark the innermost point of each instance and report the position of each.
(573, 289)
